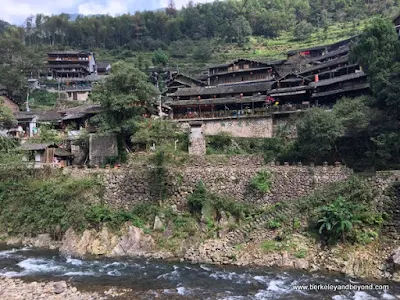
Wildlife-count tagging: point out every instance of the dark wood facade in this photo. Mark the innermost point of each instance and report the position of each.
(71, 64)
(241, 71)
(314, 76)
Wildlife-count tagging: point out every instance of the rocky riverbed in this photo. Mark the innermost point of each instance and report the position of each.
(298, 252)
(16, 289)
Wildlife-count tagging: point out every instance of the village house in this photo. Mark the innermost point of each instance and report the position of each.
(103, 68)
(45, 154)
(241, 71)
(66, 65)
(179, 81)
(75, 73)
(314, 76)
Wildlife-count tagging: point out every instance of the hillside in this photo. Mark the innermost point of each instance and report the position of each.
(257, 48)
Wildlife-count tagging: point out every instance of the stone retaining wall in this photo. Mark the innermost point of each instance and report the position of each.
(127, 187)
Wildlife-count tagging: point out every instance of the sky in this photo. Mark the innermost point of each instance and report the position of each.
(16, 11)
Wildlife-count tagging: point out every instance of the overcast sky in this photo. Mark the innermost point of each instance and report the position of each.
(16, 11)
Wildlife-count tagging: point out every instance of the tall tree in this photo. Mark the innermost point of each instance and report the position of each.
(125, 97)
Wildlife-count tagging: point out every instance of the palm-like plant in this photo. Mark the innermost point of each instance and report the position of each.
(338, 219)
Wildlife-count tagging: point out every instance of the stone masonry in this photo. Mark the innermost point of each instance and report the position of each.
(127, 187)
(197, 141)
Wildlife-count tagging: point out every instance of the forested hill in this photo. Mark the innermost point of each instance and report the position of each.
(3, 26)
(233, 21)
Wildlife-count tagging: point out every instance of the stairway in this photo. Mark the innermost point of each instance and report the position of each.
(240, 235)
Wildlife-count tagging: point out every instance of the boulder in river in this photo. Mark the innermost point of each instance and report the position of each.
(134, 242)
(42, 240)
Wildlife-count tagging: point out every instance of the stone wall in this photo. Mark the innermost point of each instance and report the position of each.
(252, 127)
(197, 141)
(101, 147)
(388, 200)
(127, 187)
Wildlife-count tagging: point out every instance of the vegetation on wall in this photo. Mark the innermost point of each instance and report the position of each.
(262, 181)
(202, 199)
(344, 211)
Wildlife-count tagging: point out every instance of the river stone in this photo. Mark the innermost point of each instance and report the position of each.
(134, 243)
(158, 225)
(42, 241)
(301, 263)
(395, 257)
(59, 287)
(69, 242)
(103, 242)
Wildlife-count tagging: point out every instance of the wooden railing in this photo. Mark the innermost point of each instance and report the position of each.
(244, 113)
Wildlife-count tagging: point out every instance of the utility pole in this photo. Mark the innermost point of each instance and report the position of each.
(27, 100)
(59, 92)
(159, 101)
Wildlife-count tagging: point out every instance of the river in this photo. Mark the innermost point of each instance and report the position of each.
(153, 279)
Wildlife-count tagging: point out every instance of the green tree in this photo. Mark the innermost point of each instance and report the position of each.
(203, 51)
(7, 119)
(159, 58)
(240, 31)
(303, 30)
(377, 48)
(317, 132)
(160, 132)
(125, 97)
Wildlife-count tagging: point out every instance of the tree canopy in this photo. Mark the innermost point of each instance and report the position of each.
(125, 97)
(150, 30)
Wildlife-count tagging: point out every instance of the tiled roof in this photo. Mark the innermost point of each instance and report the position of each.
(337, 79)
(34, 147)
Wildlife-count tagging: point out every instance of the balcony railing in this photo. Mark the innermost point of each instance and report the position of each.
(244, 113)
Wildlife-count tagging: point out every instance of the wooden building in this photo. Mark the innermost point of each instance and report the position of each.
(241, 71)
(71, 64)
(314, 76)
(329, 90)
(45, 154)
(291, 89)
(103, 68)
(217, 101)
(180, 81)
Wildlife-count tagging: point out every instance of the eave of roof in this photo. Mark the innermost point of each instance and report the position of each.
(327, 64)
(345, 49)
(35, 146)
(343, 90)
(337, 79)
(240, 71)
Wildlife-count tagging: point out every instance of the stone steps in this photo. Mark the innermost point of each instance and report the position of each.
(237, 236)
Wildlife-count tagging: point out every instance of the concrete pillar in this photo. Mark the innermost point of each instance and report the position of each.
(197, 141)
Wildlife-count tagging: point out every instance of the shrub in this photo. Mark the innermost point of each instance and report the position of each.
(301, 253)
(338, 219)
(33, 205)
(303, 30)
(197, 199)
(270, 246)
(273, 224)
(200, 198)
(262, 181)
